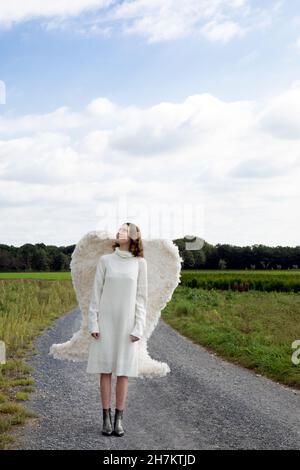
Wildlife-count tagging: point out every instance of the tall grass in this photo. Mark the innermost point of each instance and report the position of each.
(26, 309)
(272, 280)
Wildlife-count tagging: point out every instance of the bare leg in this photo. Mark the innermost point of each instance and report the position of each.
(121, 391)
(105, 389)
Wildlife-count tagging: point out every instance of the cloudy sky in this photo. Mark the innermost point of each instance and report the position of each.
(180, 116)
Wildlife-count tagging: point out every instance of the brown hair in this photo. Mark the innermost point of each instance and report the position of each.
(135, 241)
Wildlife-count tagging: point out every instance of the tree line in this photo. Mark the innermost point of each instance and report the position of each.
(41, 257)
(226, 256)
(32, 258)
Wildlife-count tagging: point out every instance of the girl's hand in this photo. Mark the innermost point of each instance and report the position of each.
(95, 335)
(134, 338)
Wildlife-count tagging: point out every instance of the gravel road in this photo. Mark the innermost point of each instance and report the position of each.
(203, 403)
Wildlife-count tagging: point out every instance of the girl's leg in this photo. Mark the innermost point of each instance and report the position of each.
(121, 391)
(105, 389)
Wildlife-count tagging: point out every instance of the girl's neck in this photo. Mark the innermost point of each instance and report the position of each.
(124, 247)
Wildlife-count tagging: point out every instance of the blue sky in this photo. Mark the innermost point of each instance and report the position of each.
(44, 68)
(155, 85)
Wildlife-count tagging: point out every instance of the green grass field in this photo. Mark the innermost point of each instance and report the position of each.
(63, 276)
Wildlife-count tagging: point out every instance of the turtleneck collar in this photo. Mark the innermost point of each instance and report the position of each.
(123, 253)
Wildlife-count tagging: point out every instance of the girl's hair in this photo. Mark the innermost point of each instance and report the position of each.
(135, 240)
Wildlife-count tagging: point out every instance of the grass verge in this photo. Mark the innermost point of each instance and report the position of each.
(254, 329)
(26, 310)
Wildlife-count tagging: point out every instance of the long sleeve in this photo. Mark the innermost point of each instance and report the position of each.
(141, 300)
(93, 312)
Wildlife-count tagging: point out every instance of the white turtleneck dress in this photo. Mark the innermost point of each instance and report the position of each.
(117, 310)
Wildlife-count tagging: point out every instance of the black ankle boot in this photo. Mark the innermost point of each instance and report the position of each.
(107, 424)
(118, 428)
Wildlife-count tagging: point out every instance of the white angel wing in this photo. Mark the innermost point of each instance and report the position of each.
(163, 268)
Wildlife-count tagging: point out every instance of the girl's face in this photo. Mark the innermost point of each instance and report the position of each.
(123, 235)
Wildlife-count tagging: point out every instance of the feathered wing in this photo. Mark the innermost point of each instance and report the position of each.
(163, 268)
(163, 271)
(83, 268)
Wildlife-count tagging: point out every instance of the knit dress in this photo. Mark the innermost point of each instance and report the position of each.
(117, 310)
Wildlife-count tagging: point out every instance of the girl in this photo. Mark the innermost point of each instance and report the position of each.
(117, 318)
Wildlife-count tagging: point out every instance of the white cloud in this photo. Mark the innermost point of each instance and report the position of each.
(229, 157)
(102, 107)
(60, 119)
(156, 20)
(222, 31)
(280, 116)
(20, 10)
(44, 158)
(172, 19)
